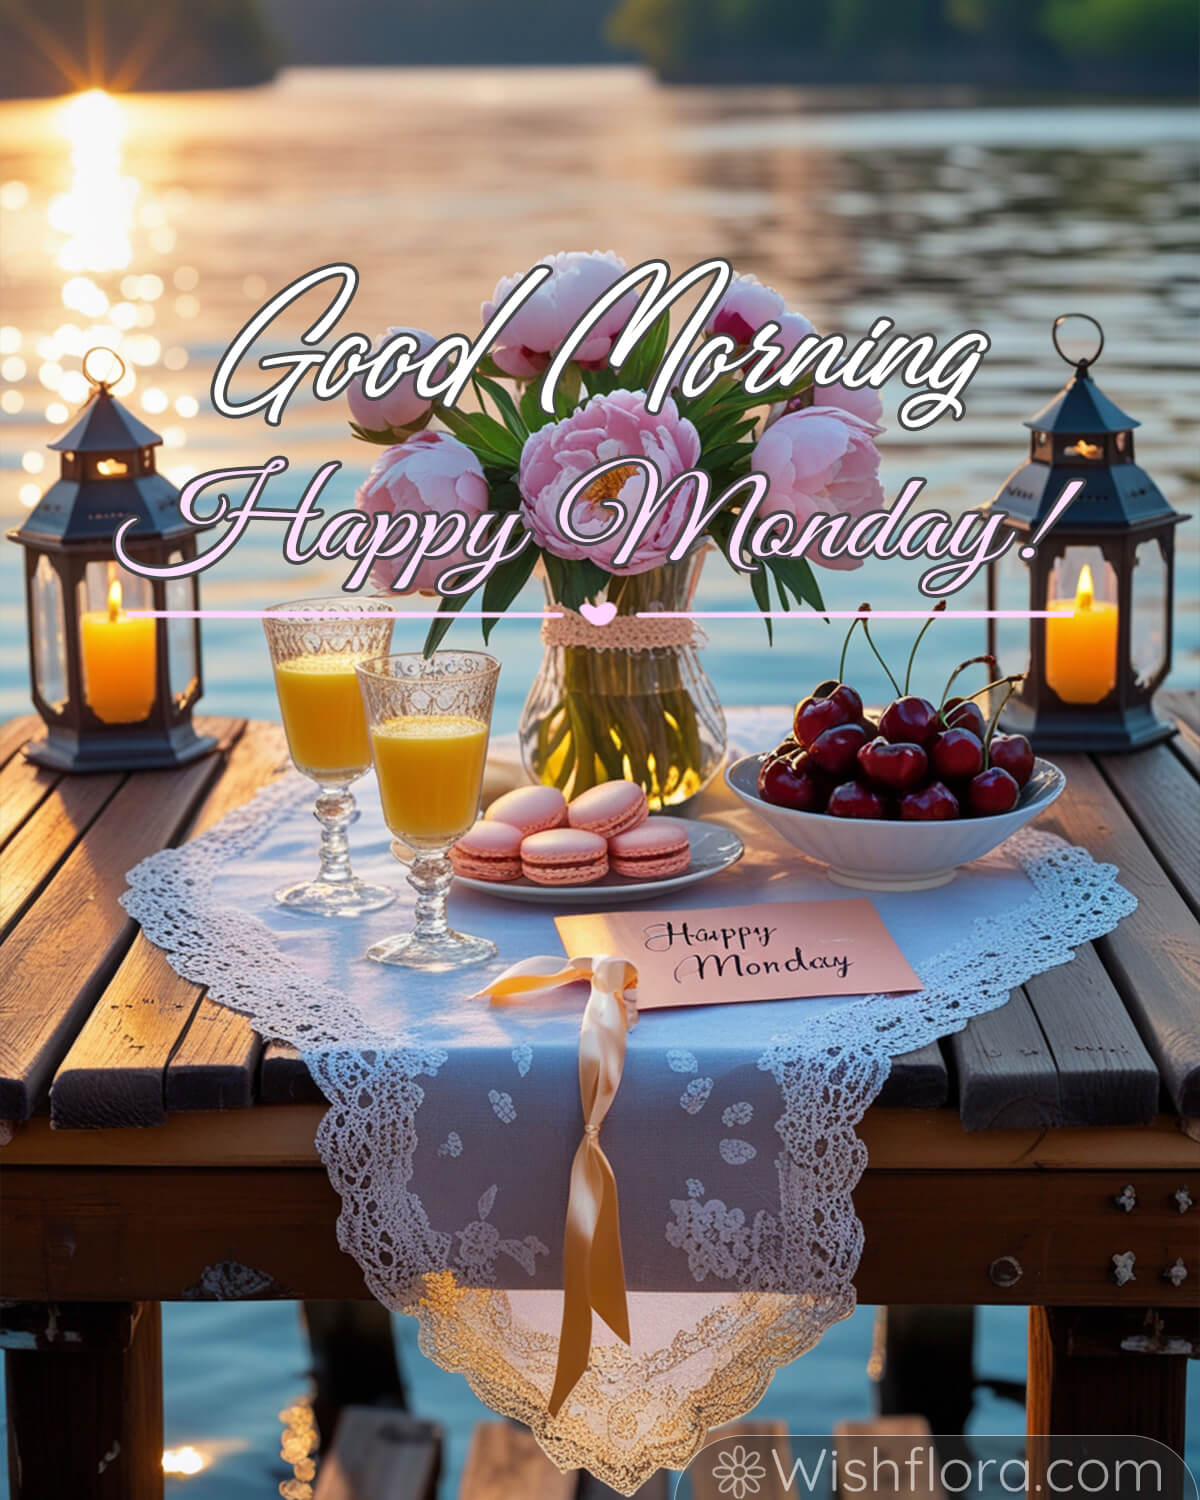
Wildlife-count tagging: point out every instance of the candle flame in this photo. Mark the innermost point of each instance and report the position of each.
(114, 599)
(1086, 590)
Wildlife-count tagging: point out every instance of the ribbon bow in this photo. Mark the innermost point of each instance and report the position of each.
(593, 1268)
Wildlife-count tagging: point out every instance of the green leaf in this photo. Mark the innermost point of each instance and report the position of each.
(441, 623)
(594, 578)
(531, 413)
(507, 407)
(761, 590)
(505, 583)
(795, 574)
(490, 441)
(638, 370)
(383, 438)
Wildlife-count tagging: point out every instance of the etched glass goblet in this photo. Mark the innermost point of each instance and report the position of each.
(314, 646)
(429, 719)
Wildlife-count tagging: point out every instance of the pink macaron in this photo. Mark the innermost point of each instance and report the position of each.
(654, 850)
(489, 851)
(608, 809)
(564, 856)
(530, 808)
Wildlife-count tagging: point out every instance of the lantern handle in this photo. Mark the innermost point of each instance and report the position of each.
(96, 383)
(1080, 364)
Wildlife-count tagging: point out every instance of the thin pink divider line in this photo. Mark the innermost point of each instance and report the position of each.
(649, 614)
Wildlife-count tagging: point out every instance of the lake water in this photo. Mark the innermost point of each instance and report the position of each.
(162, 224)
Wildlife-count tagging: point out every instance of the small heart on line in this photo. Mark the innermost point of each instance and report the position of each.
(599, 614)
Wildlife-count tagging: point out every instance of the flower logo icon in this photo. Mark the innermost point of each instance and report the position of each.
(738, 1472)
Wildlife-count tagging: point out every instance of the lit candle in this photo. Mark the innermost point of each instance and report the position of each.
(119, 661)
(1081, 645)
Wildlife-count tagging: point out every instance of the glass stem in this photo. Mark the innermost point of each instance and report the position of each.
(430, 875)
(334, 810)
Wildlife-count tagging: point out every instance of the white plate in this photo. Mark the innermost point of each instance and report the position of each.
(713, 849)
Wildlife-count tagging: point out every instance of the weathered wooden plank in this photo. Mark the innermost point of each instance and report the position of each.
(215, 1064)
(114, 1073)
(1153, 956)
(283, 1077)
(504, 1463)
(95, 1234)
(14, 734)
(761, 1447)
(918, 1080)
(22, 787)
(62, 952)
(896, 1451)
(1005, 1072)
(897, 1140)
(381, 1455)
(1183, 707)
(1163, 799)
(657, 1487)
(1105, 1074)
(47, 837)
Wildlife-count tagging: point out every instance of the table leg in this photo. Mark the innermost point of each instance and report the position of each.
(1103, 1371)
(84, 1411)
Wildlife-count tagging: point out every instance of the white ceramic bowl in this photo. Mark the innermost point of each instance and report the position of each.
(884, 856)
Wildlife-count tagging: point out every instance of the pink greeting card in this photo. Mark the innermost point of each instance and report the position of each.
(785, 950)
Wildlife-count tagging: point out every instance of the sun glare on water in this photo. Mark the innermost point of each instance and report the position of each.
(184, 1461)
(96, 214)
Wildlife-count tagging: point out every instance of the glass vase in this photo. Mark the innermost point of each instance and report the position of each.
(627, 700)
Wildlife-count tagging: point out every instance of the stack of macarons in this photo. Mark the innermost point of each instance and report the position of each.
(535, 833)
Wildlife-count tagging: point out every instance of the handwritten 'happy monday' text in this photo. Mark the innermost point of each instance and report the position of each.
(732, 951)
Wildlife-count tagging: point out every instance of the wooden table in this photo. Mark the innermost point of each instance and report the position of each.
(1013, 1164)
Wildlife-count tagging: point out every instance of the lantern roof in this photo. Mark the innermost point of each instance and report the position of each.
(1082, 407)
(105, 426)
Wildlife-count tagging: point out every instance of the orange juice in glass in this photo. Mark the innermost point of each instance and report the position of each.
(314, 646)
(429, 719)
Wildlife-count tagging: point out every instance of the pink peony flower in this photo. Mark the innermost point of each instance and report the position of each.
(607, 427)
(401, 407)
(745, 307)
(528, 340)
(821, 460)
(430, 471)
(864, 403)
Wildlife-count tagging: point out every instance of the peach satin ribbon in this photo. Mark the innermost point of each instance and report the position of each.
(593, 1268)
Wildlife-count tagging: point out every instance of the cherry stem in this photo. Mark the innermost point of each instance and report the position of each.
(995, 719)
(962, 667)
(937, 609)
(879, 658)
(846, 643)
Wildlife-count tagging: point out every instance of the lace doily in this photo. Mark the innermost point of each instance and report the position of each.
(449, 1130)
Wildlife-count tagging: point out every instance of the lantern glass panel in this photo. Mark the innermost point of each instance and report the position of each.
(49, 635)
(119, 655)
(181, 636)
(1081, 637)
(1083, 449)
(1148, 632)
(1122, 447)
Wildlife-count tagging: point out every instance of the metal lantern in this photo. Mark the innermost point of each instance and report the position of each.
(116, 693)
(1104, 570)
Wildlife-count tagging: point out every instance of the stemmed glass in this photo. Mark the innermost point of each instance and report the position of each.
(429, 719)
(314, 660)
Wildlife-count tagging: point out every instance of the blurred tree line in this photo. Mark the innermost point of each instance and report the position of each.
(1055, 37)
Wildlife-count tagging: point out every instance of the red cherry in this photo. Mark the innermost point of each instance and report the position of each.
(992, 791)
(899, 768)
(827, 706)
(792, 782)
(909, 720)
(963, 713)
(1012, 753)
(935, 802)
(835, 751)
(849, 698)
(956, 755)
(854, 800)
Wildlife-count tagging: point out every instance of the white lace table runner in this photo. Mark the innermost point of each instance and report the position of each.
(452, 1123)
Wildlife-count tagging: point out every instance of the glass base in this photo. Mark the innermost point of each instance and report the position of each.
(335, 898)
(435, 954)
